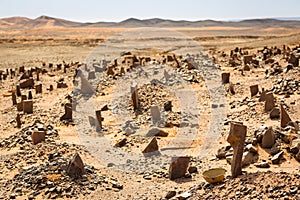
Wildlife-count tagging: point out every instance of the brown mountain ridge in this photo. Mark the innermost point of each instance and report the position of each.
(20, 23)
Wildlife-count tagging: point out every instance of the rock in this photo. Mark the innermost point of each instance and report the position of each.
(91, 187)
(108, 188)
(38, 136)
(156, 132)
(293, 189)
(275, 149)
(20, 106)
(295, 147)
(251, 148)
(269, 60)
(297, 157)
(183, 196)
(275, 113)
(286, 138)
(61, 84)
(262, 95)
(38, 88)
(110, 70)
(122, 71)
(192, 169)
(28, 83)
(121, 142)
(246, 67)
(104, 108)
(28, 106)
(14, 98)
(293, 60)
(247, 159)
(12, 196)
(18, 90)
(152, 146)
(270, 102)
(255, 63)
(288, 68)
(155, 114)
(18, 120)
(99, 120)
(247, 59)
(254, 90)
(170, 194)
(236, 139)
(76, 167)
(178, 167)
(262, 165)
(295, 125)
(110, 164)
(284, 117)
(30, 94)
(21, 69)
(268, 138)
(276, 159)
(168, 106)
(23, 97)
(221, 154)
(147, 177)
(134, 95)
(129, 131)
(225, 77)
(68, 112)
(231, 88)
(116, 185)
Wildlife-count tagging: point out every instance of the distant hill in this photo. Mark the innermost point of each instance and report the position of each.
(20, 23)
(288, 18)
(45, 21)
(13, 22)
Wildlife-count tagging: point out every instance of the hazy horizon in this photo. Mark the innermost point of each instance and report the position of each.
(117, 10)
(229, 20)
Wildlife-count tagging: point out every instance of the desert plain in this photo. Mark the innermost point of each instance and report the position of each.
(162, 96)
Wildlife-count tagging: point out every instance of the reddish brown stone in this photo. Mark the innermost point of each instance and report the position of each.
(225, 77)
(152, 146)
(178, 167)
(284, 117)
(75, 168)
(236, 138)
(38, 136)
(28, 106)
(254, 90)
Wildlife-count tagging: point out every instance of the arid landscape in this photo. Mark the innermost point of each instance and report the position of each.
(140, 109)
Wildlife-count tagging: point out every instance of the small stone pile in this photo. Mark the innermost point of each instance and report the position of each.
(184, 66)
(266, 57)
(44, 169)
(155, 94)
(189, 71)
(23, 139)
(286, 86)
(259, 185)
(279, 141)
(50, 180)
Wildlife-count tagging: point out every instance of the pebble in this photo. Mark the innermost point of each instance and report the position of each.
(170, 194)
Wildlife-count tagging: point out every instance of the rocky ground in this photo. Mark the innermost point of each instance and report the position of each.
(258, 185)
(47, 154)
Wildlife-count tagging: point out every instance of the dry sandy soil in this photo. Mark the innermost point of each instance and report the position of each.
(31, 48)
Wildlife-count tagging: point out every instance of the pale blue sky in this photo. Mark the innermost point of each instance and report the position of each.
(117, 10)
